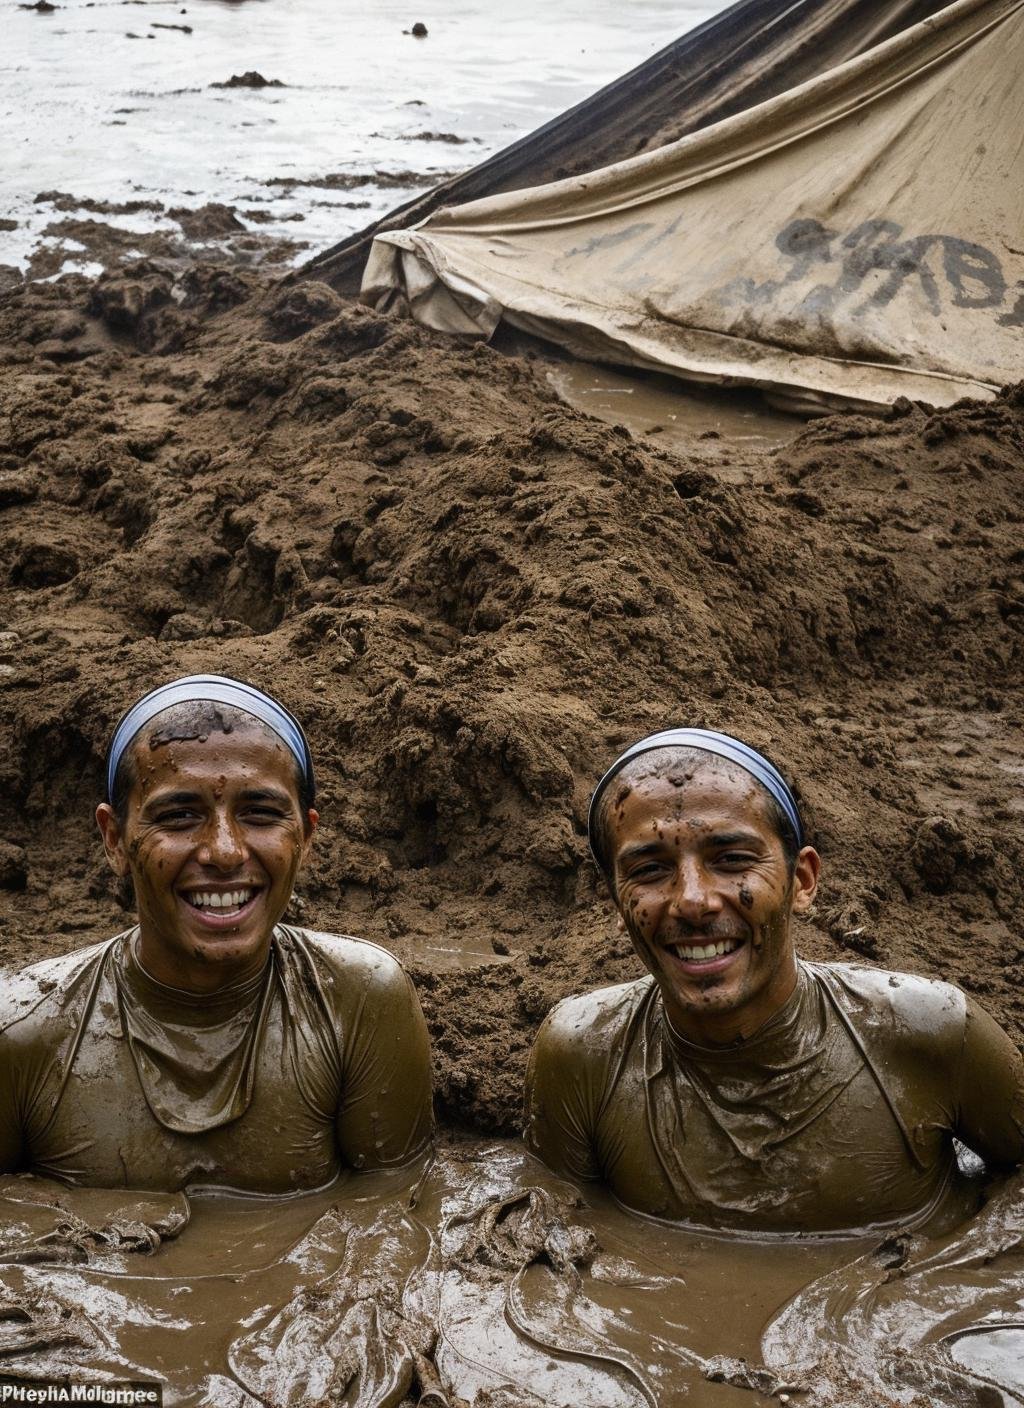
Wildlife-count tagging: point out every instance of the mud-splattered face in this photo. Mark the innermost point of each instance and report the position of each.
(213, 839)
(705, 893)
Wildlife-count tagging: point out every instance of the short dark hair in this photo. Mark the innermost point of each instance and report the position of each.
(656, 763)
(193, 719)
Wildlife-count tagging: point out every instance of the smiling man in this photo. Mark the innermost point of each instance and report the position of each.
(738, 1086)
(211, 1044)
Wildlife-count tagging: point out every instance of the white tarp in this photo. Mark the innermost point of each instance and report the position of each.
(858, 238)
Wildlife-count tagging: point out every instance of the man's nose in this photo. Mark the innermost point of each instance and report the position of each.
(223, 845)
(695, 896)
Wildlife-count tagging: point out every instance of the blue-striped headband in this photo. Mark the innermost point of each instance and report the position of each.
(214, 689)
(723, 745)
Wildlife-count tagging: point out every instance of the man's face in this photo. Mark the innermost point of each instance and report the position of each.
(704, 891)
(213, 839)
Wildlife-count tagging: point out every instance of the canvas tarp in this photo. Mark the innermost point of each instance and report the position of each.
(747, 53)
(855, 239)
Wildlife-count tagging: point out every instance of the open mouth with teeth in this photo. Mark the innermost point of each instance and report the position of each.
(708, 956)
(221, 906)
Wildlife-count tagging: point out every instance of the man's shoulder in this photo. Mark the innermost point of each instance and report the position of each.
(906, 1006)
(340, 957)
(591, 1023)
(43, 992)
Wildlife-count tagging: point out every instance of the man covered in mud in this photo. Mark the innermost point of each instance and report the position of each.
(738, 1086)
(211, 1044)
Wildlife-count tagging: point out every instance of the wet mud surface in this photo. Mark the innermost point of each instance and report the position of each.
(473, 595)
(483, 1279)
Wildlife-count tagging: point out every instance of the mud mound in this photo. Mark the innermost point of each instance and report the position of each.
(473, 595)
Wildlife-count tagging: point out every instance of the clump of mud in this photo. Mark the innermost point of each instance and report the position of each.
(250, 79)
(473, 596)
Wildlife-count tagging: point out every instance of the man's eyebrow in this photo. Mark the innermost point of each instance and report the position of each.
(265, 794)
(732, 838)
(170, 799)
(648, 848)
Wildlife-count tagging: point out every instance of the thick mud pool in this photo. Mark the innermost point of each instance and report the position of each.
(484, 1280)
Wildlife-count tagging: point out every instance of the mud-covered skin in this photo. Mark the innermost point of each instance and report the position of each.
(686, 848)
(217, 811)
(839, 1114)
(108, 1079)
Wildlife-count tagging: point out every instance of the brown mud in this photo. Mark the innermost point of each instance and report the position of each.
(484, 1279)
(216, 228)
(473, 595)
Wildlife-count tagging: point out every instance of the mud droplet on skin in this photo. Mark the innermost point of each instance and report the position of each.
(746, 898)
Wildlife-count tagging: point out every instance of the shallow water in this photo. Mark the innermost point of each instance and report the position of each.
(671, 412)
(109, 100)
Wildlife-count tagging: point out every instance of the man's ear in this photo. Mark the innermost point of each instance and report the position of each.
(805, 879)
(113, 840)
(312, 821)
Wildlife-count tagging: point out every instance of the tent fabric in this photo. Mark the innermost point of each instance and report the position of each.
(749, 52)
(858, 238)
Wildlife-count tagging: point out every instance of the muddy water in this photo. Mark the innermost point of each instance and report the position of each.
(116, 102)
(485, 1279)
(669, 412)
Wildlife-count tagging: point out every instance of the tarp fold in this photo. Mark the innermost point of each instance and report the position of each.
(855, 239)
